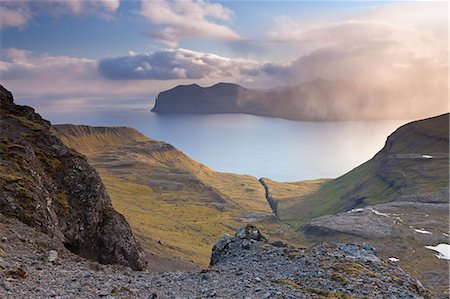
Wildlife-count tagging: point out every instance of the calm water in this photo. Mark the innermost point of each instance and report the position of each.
(263, 147)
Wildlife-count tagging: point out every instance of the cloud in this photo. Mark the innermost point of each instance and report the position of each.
(390, 44)
(85, 6)
(13, 15)
(170, 64)
(21, 65)
(20, 13)
(187, 19)
(395, 56)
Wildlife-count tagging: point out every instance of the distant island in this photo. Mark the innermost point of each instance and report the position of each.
(317, 100)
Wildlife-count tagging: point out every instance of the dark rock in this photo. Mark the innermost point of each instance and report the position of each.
(250, 232)
(278, 243)
(17, 273)
(52, 188)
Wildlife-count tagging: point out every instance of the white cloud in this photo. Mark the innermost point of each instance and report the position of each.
(170, 64)
(20, 13)
(187, 18)
(13, 16)
(111, 5)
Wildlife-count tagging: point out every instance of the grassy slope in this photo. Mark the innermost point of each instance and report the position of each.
(397, 172)
(169, 198)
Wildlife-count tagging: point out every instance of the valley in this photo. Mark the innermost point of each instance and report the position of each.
(177, 207)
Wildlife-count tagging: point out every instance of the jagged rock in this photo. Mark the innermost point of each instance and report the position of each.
(219, 248)
(250, 232)
(320, 271)
(247, 235)
(364, 252)
(50, 187)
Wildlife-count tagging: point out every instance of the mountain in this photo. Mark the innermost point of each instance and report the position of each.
(398, 200)
(176, 206)
(317, 100)
(53, 189)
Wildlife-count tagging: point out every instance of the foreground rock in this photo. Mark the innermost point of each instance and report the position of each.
(52, 188)
(245, 266)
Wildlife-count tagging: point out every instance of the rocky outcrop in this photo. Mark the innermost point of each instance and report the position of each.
(248, 267)
(338, 271)
(52, 188)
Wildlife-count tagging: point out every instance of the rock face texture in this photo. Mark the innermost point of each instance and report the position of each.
(248, 266)
(52, 188)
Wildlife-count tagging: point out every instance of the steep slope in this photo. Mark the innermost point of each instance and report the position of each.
(176, 206)
(317, 100)
(52, 188)
(398, 200)
(219, 98)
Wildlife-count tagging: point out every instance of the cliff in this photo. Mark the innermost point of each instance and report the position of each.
(52, 188)
(219, 98)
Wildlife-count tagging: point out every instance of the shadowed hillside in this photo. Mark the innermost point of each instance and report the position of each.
(53, 189)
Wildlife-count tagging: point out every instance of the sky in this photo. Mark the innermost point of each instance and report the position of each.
(115, 49)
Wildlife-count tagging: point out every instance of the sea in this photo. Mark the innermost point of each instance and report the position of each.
(279, 149)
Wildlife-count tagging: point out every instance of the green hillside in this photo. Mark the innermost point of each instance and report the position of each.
(177, 207)
(412, 166)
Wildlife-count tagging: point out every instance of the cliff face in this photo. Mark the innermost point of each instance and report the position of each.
(219, 98)
(52, 188)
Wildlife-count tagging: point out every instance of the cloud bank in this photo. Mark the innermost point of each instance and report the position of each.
(172, 64)
(186, 19)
